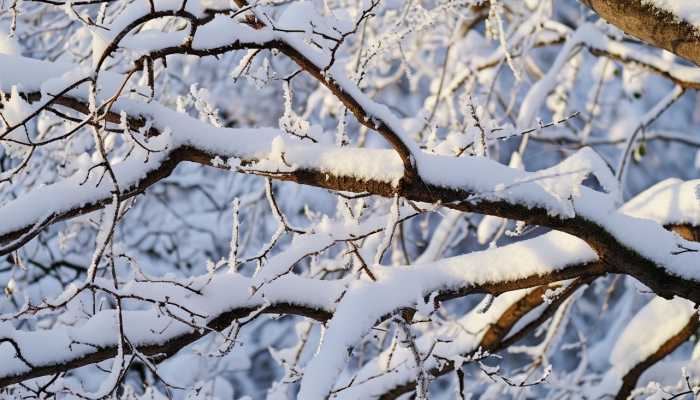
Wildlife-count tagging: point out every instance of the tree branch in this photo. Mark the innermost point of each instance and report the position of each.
(654, 26)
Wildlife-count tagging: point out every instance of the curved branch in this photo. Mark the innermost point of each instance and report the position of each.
(674, 339)
(629, 381)
(498, 336)
(619, 239)
(652, 25)
(163, 350)
(278, 301)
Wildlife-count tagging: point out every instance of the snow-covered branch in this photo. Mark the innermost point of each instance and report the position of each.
(216, 199)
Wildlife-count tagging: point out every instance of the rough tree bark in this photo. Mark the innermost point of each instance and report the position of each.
(656, 27)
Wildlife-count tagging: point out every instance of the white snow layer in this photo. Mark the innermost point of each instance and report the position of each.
(685, 10)
(653, 325)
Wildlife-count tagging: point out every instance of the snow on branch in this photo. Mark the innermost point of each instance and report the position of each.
(371, 196)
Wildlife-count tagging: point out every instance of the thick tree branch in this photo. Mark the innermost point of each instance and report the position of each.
(166, 346)
(656, 27)
(629, 381)
(498, 336)
(611, 247)
(607, 239)
(631, 377)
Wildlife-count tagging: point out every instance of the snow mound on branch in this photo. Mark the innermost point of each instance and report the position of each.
(395, 287)
(100, 42)
(564, 179)
(15, 109)
(447, 342)
(303, 15)
(671, 201)
(487, 228)
(683, 10)
(638, 342)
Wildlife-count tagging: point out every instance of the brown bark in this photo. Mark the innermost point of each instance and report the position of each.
(629, 381)
(632, 376)
(172, 345)
(496, 338)
(651, 25)
(654, 27)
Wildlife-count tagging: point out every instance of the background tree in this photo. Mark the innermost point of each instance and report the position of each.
(349, 199)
